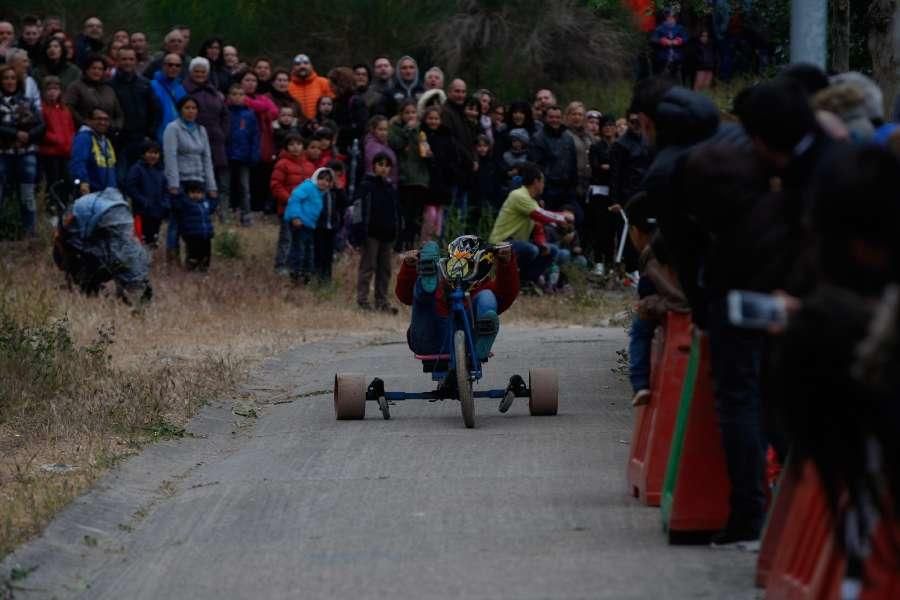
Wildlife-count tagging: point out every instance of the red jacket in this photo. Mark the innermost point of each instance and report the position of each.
(289, 172)
(60, 131)
(505, 286)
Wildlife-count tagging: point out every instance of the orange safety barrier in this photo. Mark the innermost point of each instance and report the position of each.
(799, 556)
(654, 422)
(696, 489)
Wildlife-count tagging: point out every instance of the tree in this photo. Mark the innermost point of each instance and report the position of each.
(884, 47)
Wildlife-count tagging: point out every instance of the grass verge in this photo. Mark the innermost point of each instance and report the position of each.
(85, 382)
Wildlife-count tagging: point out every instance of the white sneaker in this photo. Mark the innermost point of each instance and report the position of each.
(599, 269)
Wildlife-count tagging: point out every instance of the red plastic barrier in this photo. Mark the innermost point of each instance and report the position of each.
(805, 563)
(776, 521)
(698, 505)
(654, 422)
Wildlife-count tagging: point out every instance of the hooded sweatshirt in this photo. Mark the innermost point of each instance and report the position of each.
(167, 92)
(402, 89)
(305, 202)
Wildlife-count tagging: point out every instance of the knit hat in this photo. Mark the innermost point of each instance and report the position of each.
(521, 135)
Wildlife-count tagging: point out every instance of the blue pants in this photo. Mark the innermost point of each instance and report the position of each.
(428, 331)
(300, 258)
(531, 263)
(640, 340)
(736, 365)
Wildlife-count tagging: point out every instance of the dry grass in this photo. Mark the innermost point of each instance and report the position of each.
(86, 381)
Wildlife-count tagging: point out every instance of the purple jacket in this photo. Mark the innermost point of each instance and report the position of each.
(371, 148)
(213, 115)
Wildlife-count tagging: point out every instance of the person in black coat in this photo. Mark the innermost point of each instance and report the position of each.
(445, 167)
(136, 100)
(146, 186)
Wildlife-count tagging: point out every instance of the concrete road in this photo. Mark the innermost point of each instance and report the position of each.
(297, 505)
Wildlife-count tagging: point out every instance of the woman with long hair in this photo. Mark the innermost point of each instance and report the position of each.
(219, 76)
(53, 61)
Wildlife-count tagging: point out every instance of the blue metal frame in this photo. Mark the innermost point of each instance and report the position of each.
(459, 320)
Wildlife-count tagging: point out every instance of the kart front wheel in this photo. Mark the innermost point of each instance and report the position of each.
(463, 383)
(349, 396)
(544, 387)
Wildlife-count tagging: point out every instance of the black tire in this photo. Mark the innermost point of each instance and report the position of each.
(349, 396)
(544, 386)
(463, 384)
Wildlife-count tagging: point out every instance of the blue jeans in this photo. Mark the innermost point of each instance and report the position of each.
(531, 263)
(427, 333)
(283, 246)
(300, 258)
(640, 341)
(736, 365)
(21, 169)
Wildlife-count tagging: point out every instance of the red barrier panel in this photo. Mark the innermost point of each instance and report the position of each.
(806, 563)
(695, 493)
(654, 422)
(776, 521)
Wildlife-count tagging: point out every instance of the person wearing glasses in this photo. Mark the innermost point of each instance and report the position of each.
(167, 92)
(93, 164)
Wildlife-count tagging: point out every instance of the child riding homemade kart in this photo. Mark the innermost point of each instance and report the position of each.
(455, 320)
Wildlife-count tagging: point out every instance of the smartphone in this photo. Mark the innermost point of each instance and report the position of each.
(753, 310)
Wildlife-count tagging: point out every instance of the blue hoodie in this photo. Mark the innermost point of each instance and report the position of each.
(195, 219)
(305, 203)
(167, 92)
(93, 160)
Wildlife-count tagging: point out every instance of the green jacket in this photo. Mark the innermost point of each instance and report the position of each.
(405, 142)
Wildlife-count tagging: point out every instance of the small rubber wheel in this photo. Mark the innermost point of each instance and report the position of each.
(544, 387)
(385, 409)
(463, 383)
(349, 396)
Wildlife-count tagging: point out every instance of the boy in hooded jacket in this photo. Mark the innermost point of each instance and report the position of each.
(292, 169)
(302, 213)
(193, 212)
(377, 229)
(145, 184)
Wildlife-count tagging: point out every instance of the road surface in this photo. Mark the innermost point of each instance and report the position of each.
(294, 504)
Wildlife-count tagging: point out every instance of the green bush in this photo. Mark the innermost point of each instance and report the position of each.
(227, 244)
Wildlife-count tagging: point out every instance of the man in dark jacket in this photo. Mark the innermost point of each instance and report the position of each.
(136, 101)
(629, 159)
(454, 118)
(553, 150)
(89, 42)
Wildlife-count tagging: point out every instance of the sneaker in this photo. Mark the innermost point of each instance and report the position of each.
(364, 306)
(641, 397)
(427, 266)
(599, 270)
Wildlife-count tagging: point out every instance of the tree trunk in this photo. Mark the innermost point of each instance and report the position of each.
(884, 47)
(840, 35)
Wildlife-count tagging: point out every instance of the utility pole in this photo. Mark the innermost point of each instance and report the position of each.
(809, 31)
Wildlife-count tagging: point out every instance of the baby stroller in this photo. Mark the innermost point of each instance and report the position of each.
(94, 243)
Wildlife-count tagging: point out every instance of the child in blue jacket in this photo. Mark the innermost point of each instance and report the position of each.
(243, 150)
(145, 184)
(194, 212)
(302, 213)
